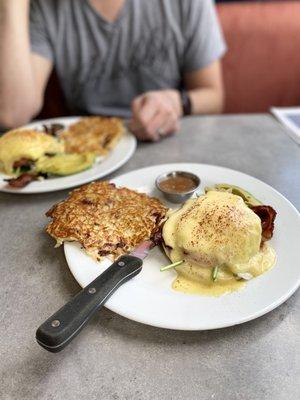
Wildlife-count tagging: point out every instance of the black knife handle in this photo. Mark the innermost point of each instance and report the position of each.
(55, 333)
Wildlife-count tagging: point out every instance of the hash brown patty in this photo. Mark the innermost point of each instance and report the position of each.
(93, 134)
(106, 220)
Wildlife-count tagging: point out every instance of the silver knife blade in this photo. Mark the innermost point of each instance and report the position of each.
(142, 250)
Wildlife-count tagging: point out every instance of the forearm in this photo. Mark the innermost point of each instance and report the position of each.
(18, 99)
(206, 100)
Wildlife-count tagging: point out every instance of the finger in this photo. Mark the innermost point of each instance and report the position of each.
(170, 127)
(145, 110)
(141, 133)
(161, 123)
(136, 104)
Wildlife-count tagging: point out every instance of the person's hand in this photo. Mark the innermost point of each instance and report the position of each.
(155, 114)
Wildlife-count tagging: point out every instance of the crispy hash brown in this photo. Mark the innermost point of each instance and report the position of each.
(106, 220)
(93, 134)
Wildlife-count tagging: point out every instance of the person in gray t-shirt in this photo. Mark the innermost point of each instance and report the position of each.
(151, 60)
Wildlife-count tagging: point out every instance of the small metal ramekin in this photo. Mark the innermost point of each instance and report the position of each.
(179, 197)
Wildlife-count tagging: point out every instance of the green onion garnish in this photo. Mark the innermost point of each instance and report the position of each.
(175, 264)
(214, 273)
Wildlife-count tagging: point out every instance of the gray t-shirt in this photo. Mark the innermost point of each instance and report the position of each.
(102, 66)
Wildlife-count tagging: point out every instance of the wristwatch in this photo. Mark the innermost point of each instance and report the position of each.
(185, 102)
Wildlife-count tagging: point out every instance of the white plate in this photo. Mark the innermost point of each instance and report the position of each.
(114, 160)
(149, 298)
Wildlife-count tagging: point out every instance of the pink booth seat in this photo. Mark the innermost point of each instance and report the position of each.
(262, 66)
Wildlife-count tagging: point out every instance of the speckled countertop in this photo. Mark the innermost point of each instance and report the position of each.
(115, 358)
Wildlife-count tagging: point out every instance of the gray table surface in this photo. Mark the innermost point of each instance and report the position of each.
(115, 358)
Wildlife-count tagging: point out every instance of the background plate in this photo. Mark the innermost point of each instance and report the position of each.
(149, 298)
(114, 160)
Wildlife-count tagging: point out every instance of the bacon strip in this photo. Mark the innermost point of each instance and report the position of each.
(23, 162)
(267, 215)
(22, 180)
(157, 237)
(53, 129)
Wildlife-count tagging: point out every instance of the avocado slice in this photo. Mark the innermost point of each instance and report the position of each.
(64, 164)
(246, 196)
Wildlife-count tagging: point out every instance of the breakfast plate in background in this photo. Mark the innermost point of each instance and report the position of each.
(149, 298)
(118, 156)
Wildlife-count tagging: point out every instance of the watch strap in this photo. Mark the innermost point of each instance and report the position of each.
(186, 102)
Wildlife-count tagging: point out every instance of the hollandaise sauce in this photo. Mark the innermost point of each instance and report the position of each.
(25, 143)
(190, 286)
(192, 279)
(217, 229)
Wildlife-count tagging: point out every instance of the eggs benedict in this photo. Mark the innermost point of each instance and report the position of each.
(219, 239)
(25, 144)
